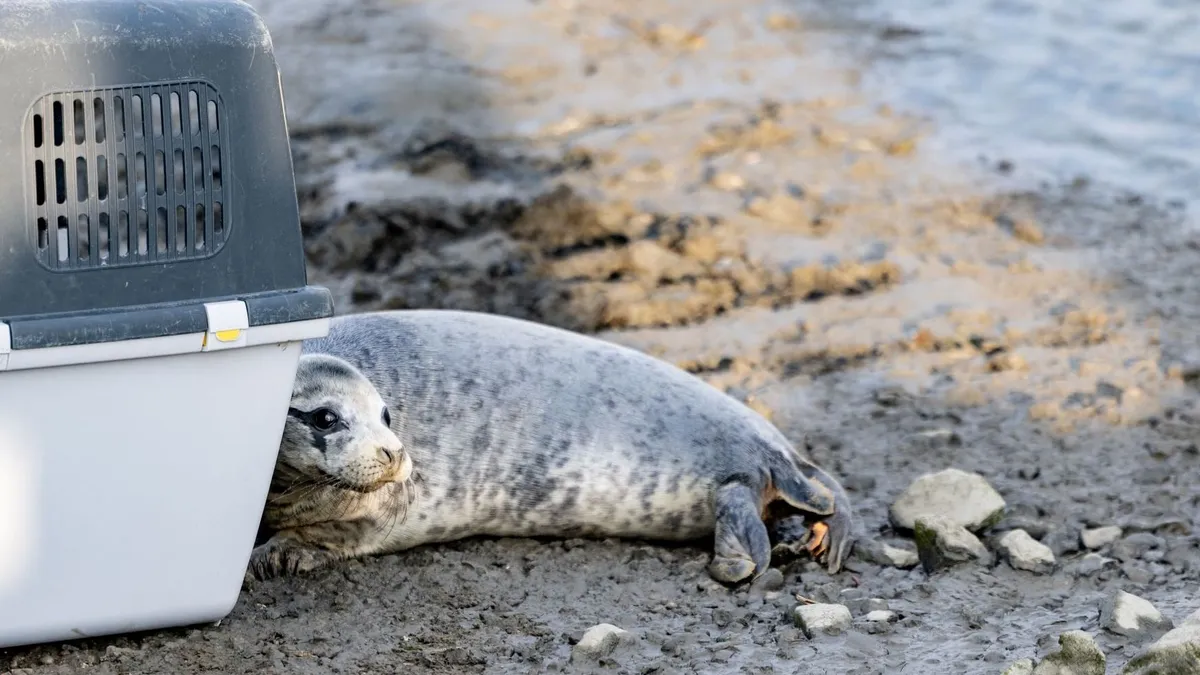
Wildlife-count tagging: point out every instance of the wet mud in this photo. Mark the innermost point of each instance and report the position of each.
(711, 186)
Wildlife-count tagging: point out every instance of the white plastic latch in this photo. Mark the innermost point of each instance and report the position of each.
(227, 325)
(5, 345)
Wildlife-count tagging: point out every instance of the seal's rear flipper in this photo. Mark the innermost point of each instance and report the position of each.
(803, 493)
(828, 531)
(742, 550)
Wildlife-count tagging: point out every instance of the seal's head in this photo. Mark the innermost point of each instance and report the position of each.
(338, 430)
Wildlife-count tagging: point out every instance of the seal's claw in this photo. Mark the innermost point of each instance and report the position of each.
(818, 544)
(731, 570)
(284, 556)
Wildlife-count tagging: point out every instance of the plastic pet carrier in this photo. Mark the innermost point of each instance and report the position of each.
(153, 296)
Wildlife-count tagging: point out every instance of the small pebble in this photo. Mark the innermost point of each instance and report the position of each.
(1136, 573)
(1135, 546)
(600, 641)
(1101, 536)
(1023, 552)
(1092, 563)
(886, 555)
(822, 618)
(881, 615)
(1063, 540)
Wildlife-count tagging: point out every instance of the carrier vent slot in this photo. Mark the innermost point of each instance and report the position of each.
(127, 176)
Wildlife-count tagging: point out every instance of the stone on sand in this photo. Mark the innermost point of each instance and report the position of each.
(965, 498)
(1100, 536)
(1021, 667)
(1093, 563)
(822, 618)
(600, 641)
(1023, 552)
(942, 542)
(1127, 614)
(1077, 655)
(885, 555)
(884, 615)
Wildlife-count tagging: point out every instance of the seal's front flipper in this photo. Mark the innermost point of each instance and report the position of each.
(741, 548)
(284, 554)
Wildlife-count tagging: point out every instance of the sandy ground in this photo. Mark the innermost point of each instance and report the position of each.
(708, 184)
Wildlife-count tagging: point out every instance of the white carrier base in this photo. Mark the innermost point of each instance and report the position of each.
(133, 475)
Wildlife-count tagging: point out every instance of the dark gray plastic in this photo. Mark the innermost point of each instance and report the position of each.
(148, 137)
(96, 327)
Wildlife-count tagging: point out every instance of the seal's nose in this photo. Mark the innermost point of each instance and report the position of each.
(386, 457)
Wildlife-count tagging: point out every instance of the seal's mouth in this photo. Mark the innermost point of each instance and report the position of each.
(363, 488)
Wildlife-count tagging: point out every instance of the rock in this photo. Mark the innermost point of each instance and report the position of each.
(115, 652)
(1077, 655)
(822, 618)
(1063, 540)
(600, 641)
(1176, 652)
(1136, 573)
(941, 543)
(1127, 614)
(1022, 667)
(1023, 552)
(884, 554)
(1092, 563)
(1135, 546)
(767, 582)
(884, 615)
(966, 499)
(1101, 536)
(861, 606)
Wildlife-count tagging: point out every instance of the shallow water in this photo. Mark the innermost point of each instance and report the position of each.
(1106, 90)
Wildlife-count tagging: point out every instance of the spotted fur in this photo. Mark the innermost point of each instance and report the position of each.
(521, 429)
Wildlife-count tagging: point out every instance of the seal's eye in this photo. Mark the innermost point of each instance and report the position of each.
(324, 419)
(387, 417)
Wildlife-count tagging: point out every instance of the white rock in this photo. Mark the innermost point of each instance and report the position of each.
(1127, 614)
(884, 615)
(822, 618)
(1092, 563)
(599, 641)
(943, 543)
(1021, 667)
(900, 557)
(1024, 552)
(1101, 536)
(882, 553)
(965, 498)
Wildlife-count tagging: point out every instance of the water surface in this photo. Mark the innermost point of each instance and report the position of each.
(1107, 89)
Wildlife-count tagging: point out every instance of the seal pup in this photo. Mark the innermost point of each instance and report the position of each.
(517, 428)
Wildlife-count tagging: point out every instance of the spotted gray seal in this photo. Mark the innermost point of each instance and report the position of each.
(497, 426)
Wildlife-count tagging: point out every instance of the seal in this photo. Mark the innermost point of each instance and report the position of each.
(496, 426)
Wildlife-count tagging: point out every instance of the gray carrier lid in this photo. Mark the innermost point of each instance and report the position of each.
(147, 171)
